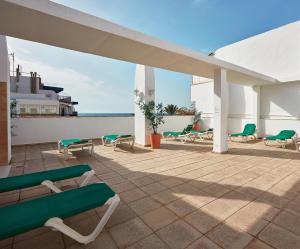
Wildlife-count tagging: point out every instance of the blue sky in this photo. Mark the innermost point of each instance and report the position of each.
(105, 85)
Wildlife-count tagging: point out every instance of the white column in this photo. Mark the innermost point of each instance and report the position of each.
(5, 133)
(256, 108)
(145, 86)
(220, 111)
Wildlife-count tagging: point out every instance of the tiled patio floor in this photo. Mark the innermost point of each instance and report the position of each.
(181, 196)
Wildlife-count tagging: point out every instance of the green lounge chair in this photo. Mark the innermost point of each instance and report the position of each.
(118, 139)
(67, 144)
(201, 134)
(177, 134)
(50, 210)
(282, 137)
(249, 132)
(47, 178)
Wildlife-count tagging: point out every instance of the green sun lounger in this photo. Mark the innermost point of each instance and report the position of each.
(118, 139)
(201, 134)
(50, 210)
(248, 132)
(177, 134)
(67, 144)
(282, 137)
(46, 178)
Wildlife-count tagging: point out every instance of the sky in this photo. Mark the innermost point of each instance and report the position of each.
(105, 85)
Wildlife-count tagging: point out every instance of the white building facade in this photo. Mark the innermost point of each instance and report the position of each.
(275, 53)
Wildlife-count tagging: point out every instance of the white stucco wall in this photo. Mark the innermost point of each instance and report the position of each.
(279, 106)
(43, 130)
(275, 53)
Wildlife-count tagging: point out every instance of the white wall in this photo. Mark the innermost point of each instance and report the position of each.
(43, 130)
(279, 106)
(275, 53)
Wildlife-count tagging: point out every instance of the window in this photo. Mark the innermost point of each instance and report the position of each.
(33, 110)
(49, 109)
(22, 110)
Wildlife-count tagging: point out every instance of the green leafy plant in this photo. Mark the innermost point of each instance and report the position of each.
(171, 109)
(153, 113)
(197, 117)
(13, 108)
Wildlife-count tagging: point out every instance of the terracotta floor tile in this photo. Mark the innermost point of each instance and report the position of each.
(159, 218)
(228, 237)
(151, 242)
(178, 234)
(279, 237)
(202, 221)
(129, 232)
(144, 205)
(203, 243)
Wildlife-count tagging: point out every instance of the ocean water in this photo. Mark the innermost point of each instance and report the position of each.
(105, 114)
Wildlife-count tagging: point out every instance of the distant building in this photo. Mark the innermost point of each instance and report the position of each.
(34, 98)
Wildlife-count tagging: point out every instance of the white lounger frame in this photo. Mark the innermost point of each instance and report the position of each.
(283, 143)
(89, 144)
(87, 176)
(244, 138)
(57, 224)
(192, 136)
(130, 140)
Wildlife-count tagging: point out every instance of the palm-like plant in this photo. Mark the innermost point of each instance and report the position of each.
(171, 109)
(154, 113)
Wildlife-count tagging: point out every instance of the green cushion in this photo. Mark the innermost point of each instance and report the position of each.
(237, 135)
(67, 142)
(283, 135)
(115, 137)
(25, 216)
(178, 133)
(249, 130)
(172, 133)
(34, 179)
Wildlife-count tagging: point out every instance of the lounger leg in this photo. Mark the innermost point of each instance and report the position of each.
(58, 224)
(50, 185)
(88, 176)
(132, 144)
(103, 141)
(59, 147)
(66, 152)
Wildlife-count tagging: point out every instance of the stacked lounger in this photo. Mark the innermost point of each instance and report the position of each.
(50, 210)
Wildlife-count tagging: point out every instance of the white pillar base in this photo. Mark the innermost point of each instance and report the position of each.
(220, 143)
(145, 86)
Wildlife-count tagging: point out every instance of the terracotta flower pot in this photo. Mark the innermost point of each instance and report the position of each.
(196, 127)
(155, 141)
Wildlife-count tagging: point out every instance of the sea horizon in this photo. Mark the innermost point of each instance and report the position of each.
(105, 114)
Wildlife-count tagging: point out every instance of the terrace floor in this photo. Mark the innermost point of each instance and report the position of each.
(180, 196)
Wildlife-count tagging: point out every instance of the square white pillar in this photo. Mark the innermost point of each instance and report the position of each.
(256, 109)
(220, 111)
(145, 87)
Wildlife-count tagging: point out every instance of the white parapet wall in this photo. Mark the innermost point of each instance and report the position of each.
(51, 129)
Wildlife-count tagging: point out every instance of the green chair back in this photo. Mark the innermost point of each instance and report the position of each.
(187, 129)
(249, 129)
(286, 134)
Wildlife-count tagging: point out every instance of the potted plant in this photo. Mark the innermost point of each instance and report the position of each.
(196, 121)
(154, 115)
